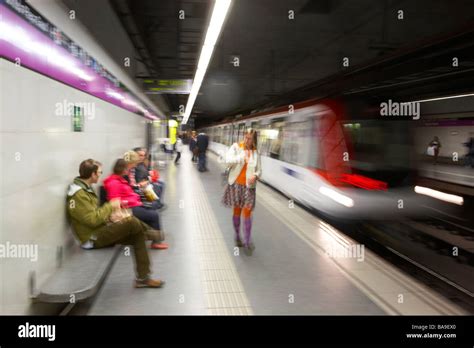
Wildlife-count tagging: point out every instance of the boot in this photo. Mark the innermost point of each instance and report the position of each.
(249, 247)
(236, 221)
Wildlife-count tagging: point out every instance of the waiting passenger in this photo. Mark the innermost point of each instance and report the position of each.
(133, 161)
(192, 146)
(117, 186)
(240, 191)
(179, 149)
(98, 227)
(141, 176)
(202, 142)
(470, 151)
(435, 144)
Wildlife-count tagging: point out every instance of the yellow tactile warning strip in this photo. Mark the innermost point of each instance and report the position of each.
(223, 290)
(392, 290)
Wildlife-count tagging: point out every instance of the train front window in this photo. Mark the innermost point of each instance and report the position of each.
(297, 147)
(380, 149)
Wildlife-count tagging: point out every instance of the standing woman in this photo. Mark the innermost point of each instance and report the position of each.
(192, 146)
(436, 144)
(240, 191)
(179, 148)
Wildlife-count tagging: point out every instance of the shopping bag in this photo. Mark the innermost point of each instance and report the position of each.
(430, 151)
(150, 194)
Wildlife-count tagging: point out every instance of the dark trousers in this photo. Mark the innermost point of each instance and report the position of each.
(147, 215)
(469, 160)
(194, 158)
(177, 157)
(128, 232)
(202, 161)
(159, 188)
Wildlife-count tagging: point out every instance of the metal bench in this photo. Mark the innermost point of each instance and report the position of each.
(79, 278)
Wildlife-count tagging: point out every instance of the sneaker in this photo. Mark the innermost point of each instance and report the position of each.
(149, 283)
(159, 245)
(238, 243)
(248, 249)
(155, 235)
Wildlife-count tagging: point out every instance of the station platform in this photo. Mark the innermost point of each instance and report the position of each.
(294, 270)
(456, 174)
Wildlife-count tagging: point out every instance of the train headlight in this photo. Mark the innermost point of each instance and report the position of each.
(336, 196)
(446, 197)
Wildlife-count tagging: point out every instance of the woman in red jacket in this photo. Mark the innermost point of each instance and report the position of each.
(118, 187)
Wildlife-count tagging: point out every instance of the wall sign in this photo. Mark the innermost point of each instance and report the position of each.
(78, 119)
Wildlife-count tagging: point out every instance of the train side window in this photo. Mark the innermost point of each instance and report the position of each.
(264, 142)
(231, 134)
(234, 133)
(225, 135)
(275, 138)
(255, 126)
(276, 143)
(241, 132)
(218, 134)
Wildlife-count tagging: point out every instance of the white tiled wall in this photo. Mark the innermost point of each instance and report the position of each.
(40, 155)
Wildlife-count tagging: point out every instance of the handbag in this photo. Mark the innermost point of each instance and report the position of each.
(120, 216)
(225, 174)
(430, 151)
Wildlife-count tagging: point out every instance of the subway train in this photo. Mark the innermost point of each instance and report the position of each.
(344, 160)
(340, 158)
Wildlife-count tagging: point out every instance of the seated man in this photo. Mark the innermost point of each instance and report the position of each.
(101, 227)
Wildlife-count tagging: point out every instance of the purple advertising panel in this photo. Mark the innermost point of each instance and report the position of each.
(44, 48)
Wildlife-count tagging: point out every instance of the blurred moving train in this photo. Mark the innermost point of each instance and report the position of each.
(339, 158)
(349, 163)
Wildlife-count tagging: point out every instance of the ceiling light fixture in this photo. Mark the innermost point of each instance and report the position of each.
(219, 13)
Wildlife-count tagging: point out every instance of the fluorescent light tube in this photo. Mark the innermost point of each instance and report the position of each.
(219, 13)
(442, 98)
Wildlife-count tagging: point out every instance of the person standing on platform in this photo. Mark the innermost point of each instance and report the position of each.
(240, 191)
(435, 144)
(202, 143)
(192, 146)
(179, 149)
(469, 159)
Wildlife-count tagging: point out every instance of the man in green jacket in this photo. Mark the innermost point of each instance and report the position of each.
(98, 227)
